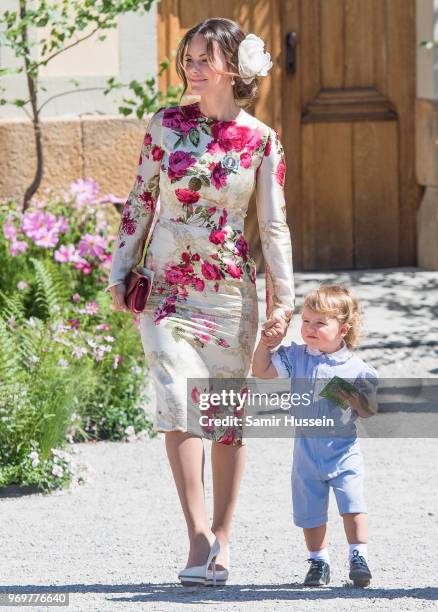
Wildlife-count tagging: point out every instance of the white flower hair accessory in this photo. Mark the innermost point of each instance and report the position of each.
(253, 60)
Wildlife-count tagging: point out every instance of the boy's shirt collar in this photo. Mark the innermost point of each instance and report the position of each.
(340, 355)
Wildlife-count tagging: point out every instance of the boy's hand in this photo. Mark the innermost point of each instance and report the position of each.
(270, 341)
(356, 400)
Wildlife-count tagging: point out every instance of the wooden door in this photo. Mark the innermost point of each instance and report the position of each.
(345, 116)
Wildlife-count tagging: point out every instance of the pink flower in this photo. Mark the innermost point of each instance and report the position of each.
(83, 266)
(268, 146)
(187, 196)
(231, 137)
(219, 176)
(84, 191)
(210, 271)
(228, 437)
(242, 247)
(147, 139)
(117, 360)
(22, 285)
(196, 397)
(181, 119)
(179, 163)
(280, 172)
(9, 229)
(234, 270)
(202, 336)
(168, 307)
(223, 217)
(157, 153)
(18, 246)
(74, 323)
(63, 225)
(148, 200)
(255, 141)
(245, 160)
(92, 308)
(174, 275)
(217, 236)
(65, 253)
(127, 223)
(198, 284)
(76, 297)
(94, 246)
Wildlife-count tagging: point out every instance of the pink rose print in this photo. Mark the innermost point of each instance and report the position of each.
(245, 160)
(242, 247)
(231, 137)
(147, 139)
(280, 172)
(198, 284)
(179, 163)
(157, 153)
(228, 437)
(217, 236)
(196, 396)
(210, 271)
(234, 270)
(219, 176)
(180, 119)
(127, 222)
(268, 146)
(223, 217)
(167, 308)
(187, 196)
(148, 201)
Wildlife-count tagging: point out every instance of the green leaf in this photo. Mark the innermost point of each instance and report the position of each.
(194, 136)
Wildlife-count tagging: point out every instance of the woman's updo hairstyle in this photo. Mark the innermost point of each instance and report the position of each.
(228, 35)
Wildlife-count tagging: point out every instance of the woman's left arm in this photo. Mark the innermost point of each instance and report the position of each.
(274, 233)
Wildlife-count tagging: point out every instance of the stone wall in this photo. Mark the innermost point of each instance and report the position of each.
(104, 148)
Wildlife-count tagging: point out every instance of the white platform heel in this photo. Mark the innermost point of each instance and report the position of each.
(201, 575)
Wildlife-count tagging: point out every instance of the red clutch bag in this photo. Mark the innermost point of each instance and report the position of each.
(138, 282)
(138, 288)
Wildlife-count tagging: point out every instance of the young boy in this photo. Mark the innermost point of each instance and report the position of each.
(330, 327)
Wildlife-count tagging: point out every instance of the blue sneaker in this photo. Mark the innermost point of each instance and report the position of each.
(318, 574)
(359, 571)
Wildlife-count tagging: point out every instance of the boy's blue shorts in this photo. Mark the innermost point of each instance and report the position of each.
(319, 464)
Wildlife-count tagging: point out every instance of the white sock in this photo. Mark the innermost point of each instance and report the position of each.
(361, 548)
(320, 554)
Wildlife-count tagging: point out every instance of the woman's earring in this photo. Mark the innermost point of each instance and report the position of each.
(233, 82)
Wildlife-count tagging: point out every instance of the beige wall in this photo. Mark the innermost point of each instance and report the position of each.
(103, 148)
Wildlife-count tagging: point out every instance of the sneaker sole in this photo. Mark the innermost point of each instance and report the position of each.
(360, 580)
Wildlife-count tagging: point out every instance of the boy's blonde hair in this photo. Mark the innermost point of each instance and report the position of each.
(338, 302)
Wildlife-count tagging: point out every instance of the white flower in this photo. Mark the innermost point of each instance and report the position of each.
(253, 61)
(129, 431)
(57, 470)
(63, 363)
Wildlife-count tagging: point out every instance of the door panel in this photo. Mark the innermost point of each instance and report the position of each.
(345, 118)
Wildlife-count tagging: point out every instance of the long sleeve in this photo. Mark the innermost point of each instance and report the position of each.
(139, 208)
(274, 231)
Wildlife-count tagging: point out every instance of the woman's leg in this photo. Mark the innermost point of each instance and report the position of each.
(227, 462)
(186, 456)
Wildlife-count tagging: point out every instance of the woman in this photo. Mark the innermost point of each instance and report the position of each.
(203, 160)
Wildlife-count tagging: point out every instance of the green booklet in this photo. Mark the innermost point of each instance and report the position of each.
(331, 389)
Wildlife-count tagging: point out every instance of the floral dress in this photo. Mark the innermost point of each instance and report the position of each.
(201, 319)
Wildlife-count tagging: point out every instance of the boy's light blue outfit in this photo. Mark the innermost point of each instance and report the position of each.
(332, 457)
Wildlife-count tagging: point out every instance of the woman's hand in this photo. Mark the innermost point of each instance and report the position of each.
(274, 330)
(118, 295)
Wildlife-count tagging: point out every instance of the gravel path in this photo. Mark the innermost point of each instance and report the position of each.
(118, 541)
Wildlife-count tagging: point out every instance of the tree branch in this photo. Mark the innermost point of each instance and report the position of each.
(72, 44)
(70, 91)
